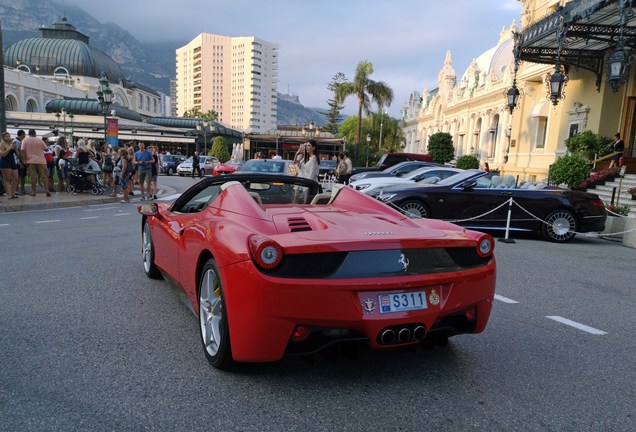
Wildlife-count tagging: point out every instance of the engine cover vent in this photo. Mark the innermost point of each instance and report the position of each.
(297, 224)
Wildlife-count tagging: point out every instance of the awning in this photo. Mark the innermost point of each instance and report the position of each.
(591, 28)
(541, 109)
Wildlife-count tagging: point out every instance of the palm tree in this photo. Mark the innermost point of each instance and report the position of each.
(367, 91)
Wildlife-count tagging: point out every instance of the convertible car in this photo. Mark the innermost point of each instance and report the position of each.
(469, 198)
(274, 268)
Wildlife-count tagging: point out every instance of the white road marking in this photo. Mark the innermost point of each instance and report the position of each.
(4, 224)
(90, 217)
(121, 214)
(99, 209)
(169, 197)
(577, 325)
(505, 299)
(48, 221)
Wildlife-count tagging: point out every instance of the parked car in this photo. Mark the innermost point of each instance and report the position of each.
(168, 163)
(390, 159)
(398, 170)
(556, 213)
(267, 166)
(207, 164)
(327, 167)
(274, 268)
(425, 175)
(227, 168)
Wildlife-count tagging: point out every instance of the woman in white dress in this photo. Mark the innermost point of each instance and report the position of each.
(309, 166)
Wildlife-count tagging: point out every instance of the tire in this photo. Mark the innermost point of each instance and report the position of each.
(95, 190)
(415, 209)
(213, 323)
(148, 253)
(202, 173)
(559, 226)
(170, 171)
(180, 174)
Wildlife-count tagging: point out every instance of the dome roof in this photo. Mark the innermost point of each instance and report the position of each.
(493, 61)
(63, 46)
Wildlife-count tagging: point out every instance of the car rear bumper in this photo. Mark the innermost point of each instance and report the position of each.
(265, 311)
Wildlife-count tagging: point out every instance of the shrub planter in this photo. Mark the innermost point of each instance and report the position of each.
(629, 239)
(614, 224)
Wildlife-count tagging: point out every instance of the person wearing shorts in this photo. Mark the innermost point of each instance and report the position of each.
(144, 161)
(32, 152)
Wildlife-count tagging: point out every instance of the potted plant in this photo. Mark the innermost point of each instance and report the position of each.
(615, 222)
(632, 192)
(570, 170)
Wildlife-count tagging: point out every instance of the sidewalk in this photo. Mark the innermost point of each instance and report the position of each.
(62, 199)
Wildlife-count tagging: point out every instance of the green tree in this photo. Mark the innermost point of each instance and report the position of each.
(335, 104)
(467, 162)
(391, 130)
(195, 113)
(440, 147)
(570, 170)
(366, 91)
(219, 149)
(589, 144)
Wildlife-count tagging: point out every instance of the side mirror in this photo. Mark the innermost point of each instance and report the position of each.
(148, 209)
(469, 184)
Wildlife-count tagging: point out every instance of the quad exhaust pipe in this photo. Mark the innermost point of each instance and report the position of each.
(402, 334)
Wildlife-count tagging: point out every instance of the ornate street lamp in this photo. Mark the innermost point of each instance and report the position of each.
(513, 93)
(368, 144)
(203, 127)
(618, 62)
(105, 97)
(556, 82)
(277, 139)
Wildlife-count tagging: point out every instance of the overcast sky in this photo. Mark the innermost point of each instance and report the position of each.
(406, 40)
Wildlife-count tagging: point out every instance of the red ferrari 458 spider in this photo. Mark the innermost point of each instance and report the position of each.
(273, 268)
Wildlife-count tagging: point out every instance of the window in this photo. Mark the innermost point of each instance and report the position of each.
(542, 129)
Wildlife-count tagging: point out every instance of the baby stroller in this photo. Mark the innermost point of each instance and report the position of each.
(85, 178)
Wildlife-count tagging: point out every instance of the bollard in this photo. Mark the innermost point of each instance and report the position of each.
(613, 195)
(506, 239)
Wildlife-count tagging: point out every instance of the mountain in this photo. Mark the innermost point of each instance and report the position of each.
(150, 64)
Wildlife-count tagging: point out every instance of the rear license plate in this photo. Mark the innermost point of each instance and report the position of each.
(402, 302)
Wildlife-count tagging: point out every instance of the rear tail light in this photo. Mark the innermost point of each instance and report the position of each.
(598, 203)
(485, 246)
(265, 252)
(301, 333)
(471, 314)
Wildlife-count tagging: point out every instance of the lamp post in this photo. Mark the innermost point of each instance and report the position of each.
(202, 128)
(277, 139)
(381, 123)
(71, 117)
(105, 97)
(368, 144)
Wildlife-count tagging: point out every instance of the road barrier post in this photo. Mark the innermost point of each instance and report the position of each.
(506, 239)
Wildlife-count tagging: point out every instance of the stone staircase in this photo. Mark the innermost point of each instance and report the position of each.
(605, 192)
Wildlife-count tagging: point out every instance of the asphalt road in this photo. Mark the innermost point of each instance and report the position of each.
(87, 342)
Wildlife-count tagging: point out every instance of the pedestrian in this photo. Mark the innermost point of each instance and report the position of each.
(341, 169)
(133, 168)
(349, 167)
(107, 164)
(21, 164)
(32, 152)
(618, 147)
(486, 167)
(144, 161)
(155, 172)
(309, 167)
(124, 171)
(276, 157)
(196, 165)
(8, 165)
(62, 172)
(49, 156)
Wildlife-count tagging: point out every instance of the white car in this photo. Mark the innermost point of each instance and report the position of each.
(424, 175)
(207, 164)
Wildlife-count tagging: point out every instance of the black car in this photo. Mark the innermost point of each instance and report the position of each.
(469, 198)
(397, 170)
(168, 163)
(390, 159)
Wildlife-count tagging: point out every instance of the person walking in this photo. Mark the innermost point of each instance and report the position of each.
(32, 152)
(196, 165)
(155, 172)
(62, 172)
(618, 146)
(21, 164)
(144, 161)
(8, 165)
(349, 167)
(341, 169)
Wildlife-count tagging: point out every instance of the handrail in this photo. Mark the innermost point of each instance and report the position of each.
(602, 158)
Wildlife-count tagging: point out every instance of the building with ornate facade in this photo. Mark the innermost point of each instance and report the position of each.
(577, 38)
(235, 76)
